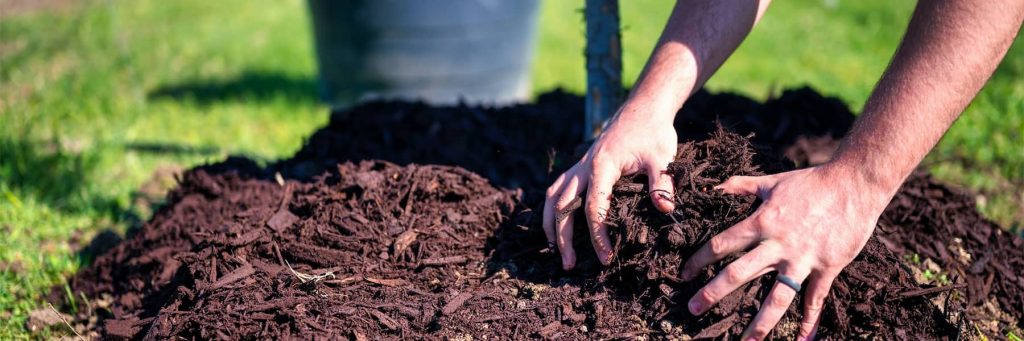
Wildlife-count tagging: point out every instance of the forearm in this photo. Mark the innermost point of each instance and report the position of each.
(698, 38)
(949, 51)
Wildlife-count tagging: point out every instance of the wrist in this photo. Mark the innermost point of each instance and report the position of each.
(876, 185)
(647, 111)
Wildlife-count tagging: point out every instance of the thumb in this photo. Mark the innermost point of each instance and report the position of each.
(745, 185)
(662, 191)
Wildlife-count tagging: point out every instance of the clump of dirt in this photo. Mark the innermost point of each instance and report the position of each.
(333, 244)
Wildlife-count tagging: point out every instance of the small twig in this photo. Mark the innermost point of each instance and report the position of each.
(444, 261)
(286, 197)
(456, 302)
(61, 316)
(277, 251)
(928, 291)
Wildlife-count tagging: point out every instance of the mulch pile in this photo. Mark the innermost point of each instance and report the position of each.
(381, 227)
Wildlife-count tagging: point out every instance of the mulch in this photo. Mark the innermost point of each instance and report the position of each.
(403, 220)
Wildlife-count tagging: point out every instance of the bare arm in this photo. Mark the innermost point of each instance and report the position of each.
(948, 53)
(813, 222)
(698, 38)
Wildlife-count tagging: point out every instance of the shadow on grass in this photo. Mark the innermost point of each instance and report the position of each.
(57, 178)
(250, 86)
(171, 148)
(45, 170)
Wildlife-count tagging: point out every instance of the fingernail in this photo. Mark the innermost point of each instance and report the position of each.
(694, 307)
(751, 339)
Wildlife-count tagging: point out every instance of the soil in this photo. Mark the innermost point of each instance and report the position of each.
(402, 220)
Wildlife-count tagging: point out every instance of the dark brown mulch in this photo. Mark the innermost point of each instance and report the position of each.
(936, 222)
(652, 247)
(374, 249)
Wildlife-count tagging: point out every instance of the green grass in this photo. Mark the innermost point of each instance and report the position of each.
(95, 98)
(840, 50)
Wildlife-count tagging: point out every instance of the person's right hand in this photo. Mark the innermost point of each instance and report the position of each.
(632, 142)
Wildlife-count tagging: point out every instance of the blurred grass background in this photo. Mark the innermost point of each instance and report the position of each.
(101, 101)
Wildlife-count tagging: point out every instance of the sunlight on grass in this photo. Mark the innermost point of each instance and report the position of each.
(95, 99)
(840, 50)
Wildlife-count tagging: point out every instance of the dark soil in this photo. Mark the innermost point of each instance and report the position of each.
(415, 247)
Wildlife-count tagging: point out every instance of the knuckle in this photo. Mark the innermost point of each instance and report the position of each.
(779, 300)
(759, 331)
(733, 274)
(596, 216)
(814, 306)
(775, 213)
(805, 330)
(706, 296)
(564, 244)
(551, 192)
(563, 202)
(718, 246)
(732, 180)
(763, 220)
(591, 209)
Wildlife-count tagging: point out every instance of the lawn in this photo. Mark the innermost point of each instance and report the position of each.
(101, 100)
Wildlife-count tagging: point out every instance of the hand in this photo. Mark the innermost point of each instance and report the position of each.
(630, 144)
(811, 224)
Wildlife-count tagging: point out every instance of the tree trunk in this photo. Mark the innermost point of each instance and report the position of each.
(604, 64)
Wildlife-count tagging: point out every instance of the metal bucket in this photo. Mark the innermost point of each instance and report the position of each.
(440, 51)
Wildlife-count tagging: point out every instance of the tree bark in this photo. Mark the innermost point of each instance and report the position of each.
(604, 64)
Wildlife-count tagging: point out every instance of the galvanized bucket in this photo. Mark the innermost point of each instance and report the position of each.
(440, 51)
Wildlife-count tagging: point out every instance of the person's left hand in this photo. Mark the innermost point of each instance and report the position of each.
(811, 224)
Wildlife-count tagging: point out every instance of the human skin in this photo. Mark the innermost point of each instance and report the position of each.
(812, 222)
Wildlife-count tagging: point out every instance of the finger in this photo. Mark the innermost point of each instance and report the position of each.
(753, 264)
(814, 303)
(662, 192)
(564, 225)
(774, 306)
(743, 185)
(598, 202)
(550, 197)
(734, 239)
